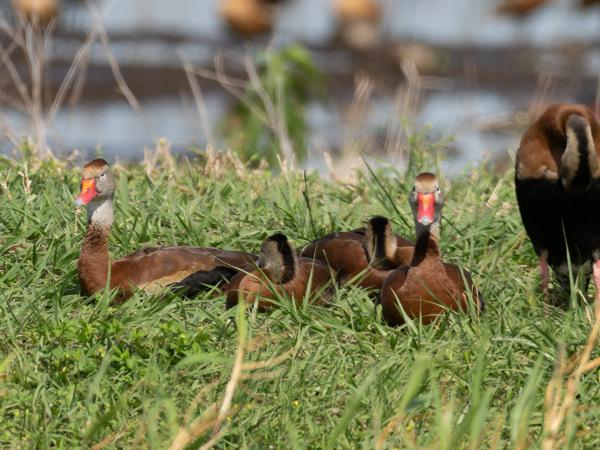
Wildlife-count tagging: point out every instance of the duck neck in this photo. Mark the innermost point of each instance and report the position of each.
(94, 261)
(427, 242)
(380, 247)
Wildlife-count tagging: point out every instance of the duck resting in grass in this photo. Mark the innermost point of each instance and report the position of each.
(428, 286)
(363, 256)
(188, 269)
(280, 273)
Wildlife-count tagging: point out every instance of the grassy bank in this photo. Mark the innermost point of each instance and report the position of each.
(153, 372)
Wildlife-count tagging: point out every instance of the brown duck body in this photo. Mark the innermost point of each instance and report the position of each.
(257, 284)
(428, 286)
(153, 269)
(557, 184)
(281, 274)
(248, 17)
(188, 269)
(519, 8)
(346, 253)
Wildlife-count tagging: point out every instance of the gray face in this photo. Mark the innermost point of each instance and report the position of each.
(105, 185)
(420, 202)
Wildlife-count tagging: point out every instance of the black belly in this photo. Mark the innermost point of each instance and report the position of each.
(546, 207)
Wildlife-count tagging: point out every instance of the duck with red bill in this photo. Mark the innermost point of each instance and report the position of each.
(428, 286)
(184, 269)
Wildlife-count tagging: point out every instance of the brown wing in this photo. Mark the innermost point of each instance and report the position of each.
(463, 281)
(315, 248)
(153, 269)
(543, 142)
(346, 256)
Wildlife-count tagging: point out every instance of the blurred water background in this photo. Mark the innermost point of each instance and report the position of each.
(454, 68)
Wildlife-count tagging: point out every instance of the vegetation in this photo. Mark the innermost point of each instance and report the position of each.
(269, 121)
(155, 371)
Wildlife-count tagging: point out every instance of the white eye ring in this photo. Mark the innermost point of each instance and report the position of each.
(103, 176)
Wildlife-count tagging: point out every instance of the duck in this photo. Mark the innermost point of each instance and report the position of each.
(248, 17)
(557, 185)
(280, 272)
(358, 22)
(519, 8)
(37, 11)
(428, 286)
(363, 256)
(150, 269)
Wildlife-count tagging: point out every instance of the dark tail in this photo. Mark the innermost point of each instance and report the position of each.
(200, 281)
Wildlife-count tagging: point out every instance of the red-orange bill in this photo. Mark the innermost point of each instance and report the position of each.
(88, 192)
(426, 208)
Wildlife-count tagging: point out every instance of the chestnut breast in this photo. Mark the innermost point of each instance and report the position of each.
(426, 291)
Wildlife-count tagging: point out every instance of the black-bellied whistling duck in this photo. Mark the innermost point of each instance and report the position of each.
(248, 17)
(37, 11)
(149, 269)
(359, 22)
(428, 286)
(363, 256)
(519, 8)
(281, 272)
(557, 183)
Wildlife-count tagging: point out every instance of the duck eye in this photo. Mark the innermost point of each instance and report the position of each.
(103, 176)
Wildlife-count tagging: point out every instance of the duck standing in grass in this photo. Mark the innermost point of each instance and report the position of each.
(149, 269)
(281, 273)
(428, 286)
(363, 256)
(557, 181)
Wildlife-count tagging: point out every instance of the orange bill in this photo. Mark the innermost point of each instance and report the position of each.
(88, 192)
(426, 208)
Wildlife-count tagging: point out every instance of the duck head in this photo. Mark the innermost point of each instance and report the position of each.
(97, 190)
(277, 259)
(96, 182)
(426, 200)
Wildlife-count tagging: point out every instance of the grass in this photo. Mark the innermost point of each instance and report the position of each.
(155, 371)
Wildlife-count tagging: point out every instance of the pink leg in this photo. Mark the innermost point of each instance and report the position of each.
(545, 276)
(596, 274)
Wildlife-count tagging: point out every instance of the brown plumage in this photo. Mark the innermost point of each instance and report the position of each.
(248, 17)
(519, 8)
(363, 256)
(428, 286)
(358, 22)
(557, 182)
(281, 273)
(37, 11)
(149, 269)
